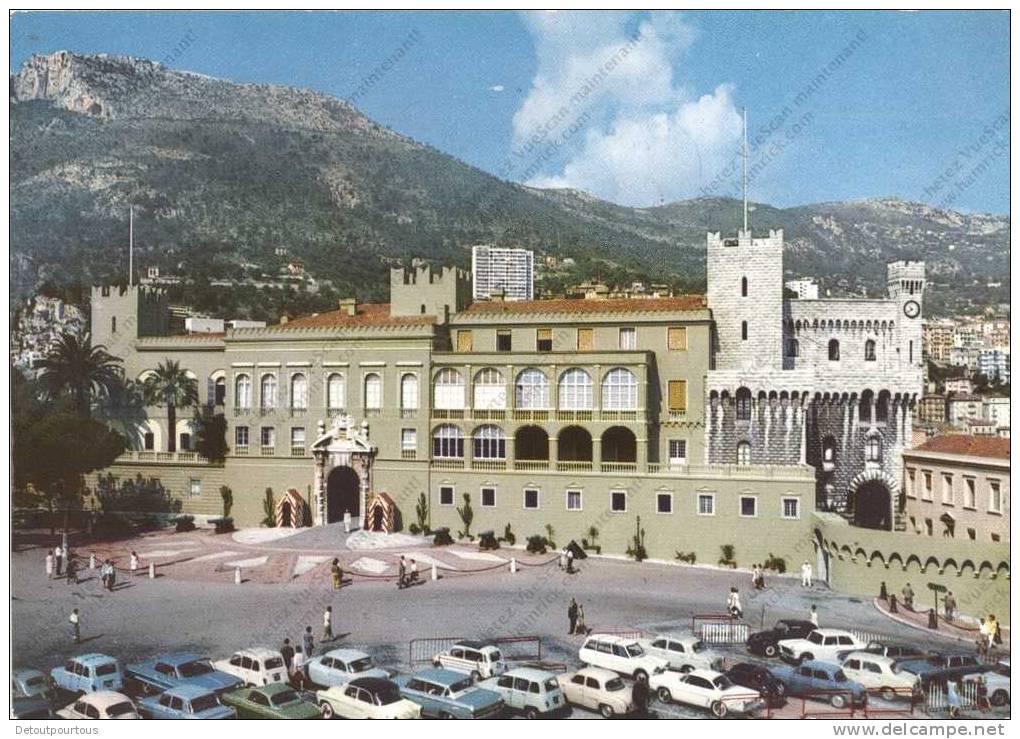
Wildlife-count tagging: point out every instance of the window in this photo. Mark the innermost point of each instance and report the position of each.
(743, 404)
(619, 390)
(677, 396)
(576, 390)
(585, 339)
(927, 486)
(268, 395)
(503, 342)
(297, 440)
(543, 340)
(677, 452)
(489, 443)
(864, 407)
(969, 493)
(744, 453)
(489, 390)
(628, 338)
(828, 453)
(873, 448)
(618, 501)
(194, 488)
(833, 350)
(242, 391)
(911, 484)
(532, 390)
(446, 495)
(241, 436)
(488, 497)
(113, 324)
(531, 498)
(448, 442)
(743, 287)
(869, 350)
(573, 500)
(373, 391)
(465, 340)
(743, 330)
(676, 338)
(748, 506)
(409, 440)
(706, 504)
(792, 348)
(994, 497)
(664, 502)
(409, 392)
(299, 392)
(149, 441)
(268, 436)
(947, 489)
(220, 391)
(791, 507)
(449, 390)
(336, 391)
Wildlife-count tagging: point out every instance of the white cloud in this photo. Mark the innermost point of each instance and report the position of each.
(496, 88)
(606, 112)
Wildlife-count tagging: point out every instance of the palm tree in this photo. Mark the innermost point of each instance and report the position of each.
(83, 371)
(169, 385)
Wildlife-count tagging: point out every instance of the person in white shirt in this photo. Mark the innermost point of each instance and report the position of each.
(733, 604)
(49, 565)
(814, 615)
(75, 621)
(58, 556)
(805, 574)
(134, 563)
(327, 624)
(298, 676)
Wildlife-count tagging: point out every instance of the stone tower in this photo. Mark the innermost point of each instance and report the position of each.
(906, 283)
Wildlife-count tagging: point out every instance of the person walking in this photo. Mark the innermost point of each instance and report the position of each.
(950, 605)
(754, 576)
(813, 616)
(908, 596)
(58, 558)
(733, 604)
(75, 621)
(761, 578)
(572, 616)
(582, 627)
(639, 696)
(134, 563)
(401, 572)
(49, 564)
(412, 572)
(570, 561)
(337, 574)
(308, 642)
(72, 571)
(287, 652)
(327, 624)
(111, 575)
(805, 574)
(300, 660)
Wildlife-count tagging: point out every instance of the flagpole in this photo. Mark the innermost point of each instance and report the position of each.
(745, 169)
(131, 245)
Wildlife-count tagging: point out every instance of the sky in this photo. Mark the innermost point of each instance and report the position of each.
(639, 108)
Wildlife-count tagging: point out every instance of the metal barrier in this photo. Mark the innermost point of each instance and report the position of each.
(966, 696)
(848, 709)
(623, 633)
(514, 648)
(891, 695)
(719, 628)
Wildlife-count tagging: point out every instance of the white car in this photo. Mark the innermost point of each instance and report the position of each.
(103, 704)
(366, 698)
(880, 674)
(706, 689)
(474, 658)
(535, 693)
(622, 655)
(340, 666)
(994, 683)
(684, 652)
(255, 666)
(825, 645)
(597, 690)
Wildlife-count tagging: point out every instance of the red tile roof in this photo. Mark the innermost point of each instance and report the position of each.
(366, 315)
(611, 305)
(967, 445)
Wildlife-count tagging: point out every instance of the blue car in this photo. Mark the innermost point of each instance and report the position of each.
(820, 680)
(28, 683)
(89, 673)
(340, 666)
(175, 670)
(185, 702)
(447, 694)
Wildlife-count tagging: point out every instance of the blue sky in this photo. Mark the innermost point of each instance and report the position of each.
(638, 108)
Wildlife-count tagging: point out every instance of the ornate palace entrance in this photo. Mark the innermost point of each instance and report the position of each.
(343, 471)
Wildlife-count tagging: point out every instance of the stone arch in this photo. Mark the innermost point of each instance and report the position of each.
(915, 560)
(619, 445)
(986, 567)
(574, 445)
(967, 567)
(860, 551)
(949, 563)
(1002, 569)
(894, 557)
(531, 443)
(870, 497)
(932, 560)
(877, 555)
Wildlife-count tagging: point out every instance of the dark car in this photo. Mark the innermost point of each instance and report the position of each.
(759, 679)
(767, 642)
(941, 667)
(896, 651)
(32, 708)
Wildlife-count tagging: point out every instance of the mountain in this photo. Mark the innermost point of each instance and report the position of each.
(222, 174)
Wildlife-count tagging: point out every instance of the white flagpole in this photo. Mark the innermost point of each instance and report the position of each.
(745, 169)
(131, 245)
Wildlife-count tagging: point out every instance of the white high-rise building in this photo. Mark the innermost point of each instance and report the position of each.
(498, 269)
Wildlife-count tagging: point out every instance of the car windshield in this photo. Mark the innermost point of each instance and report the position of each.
(285, 697)
(386, 696)
(615, 684)
(460, 686)
(839, 677)
(815, 638)
(107, 668)
(698, 646)
(722, 682)
(195, 668)
(495, 656)
(360, 665)
(634, 650)
(38, 680)
(552, 684)
(274, 663)
(123, 708)
(204, 703)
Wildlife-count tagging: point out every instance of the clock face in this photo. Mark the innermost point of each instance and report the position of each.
(912, 309)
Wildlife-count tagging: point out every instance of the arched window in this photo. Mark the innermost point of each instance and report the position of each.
(268, 397)
(619, 390)
(743, 287)
(448, 442)
(220, 390)
(409, 391)
(833, 350)
(864, 408)
(869, 350)
(744, 453)
(336, 391)
(743, 330)
(792, 348)
(373, 391)
(489, 390)
(829, 450)
(873, 448)
(242, 391)
(882, 407)
(449, 390)
(490, 443)
(743, 404)
(299, 392)
(532, 389)
(576, 391)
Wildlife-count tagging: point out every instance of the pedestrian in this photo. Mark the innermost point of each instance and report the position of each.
(287, 652)
(805, 574)
(111, 576)
(582, 627)
(337, 574)
(75, 621)
(908, 596)
(72, 571)
(412, 572)
(761, 578)
(401, 572)
(133, 566)
(950, 603)
(58, 557)
(639, 696)
(754, 576)
(300, 660)
(308, 642)
(813, 617)
(327, 624)
(563, 560)
(49, 564)
(570, 561)
(572, 615)
(104, 573)
(733, 604)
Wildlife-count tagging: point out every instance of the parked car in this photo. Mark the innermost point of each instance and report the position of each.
(994, 684)
(443, 693)
(185, 702)
(766, 643)
(941, 667)
(36, 707)
(529, 691)
(88, 673)
(366, 698)
(258, 666)
(896, 651)
(100, 704)
(826, 645)
(621, 655)
(683, 652)
(821, 680)
(273, 701)
(881, 674)
(473, 658)
(760, 679)
(706, 689)
(173, 670)
(597, 690)
(28, 683)
(340, 666)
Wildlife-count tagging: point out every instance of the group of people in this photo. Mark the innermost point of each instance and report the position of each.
(61, 562)
(296, 656)
(575, 614)
(989, 635)
(758, 577)
(407, 572)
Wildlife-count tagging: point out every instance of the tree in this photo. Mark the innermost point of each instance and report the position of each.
(170, 386)
(82, 371)
(211, 434)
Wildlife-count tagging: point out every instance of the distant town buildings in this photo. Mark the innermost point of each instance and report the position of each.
(806, 289)
(994, 364)
(937, 340)
(503, 271)
(38, 324)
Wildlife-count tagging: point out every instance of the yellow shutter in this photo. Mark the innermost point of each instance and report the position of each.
(678, 339)
(585, 339)
(545, 334)
(465, 341)
(678, 395)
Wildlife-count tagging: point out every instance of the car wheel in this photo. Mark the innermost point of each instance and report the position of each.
(436, 662)
(888, 694)
(641, 676)
(475, 676)
(327, 710)
(531, 713)
(771, 650)
(838, 701)
(664, 695)
(606, 710)
(999, 698)
(719, 709)
(445, 715)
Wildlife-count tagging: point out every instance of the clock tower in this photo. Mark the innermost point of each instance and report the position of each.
(906, 283)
